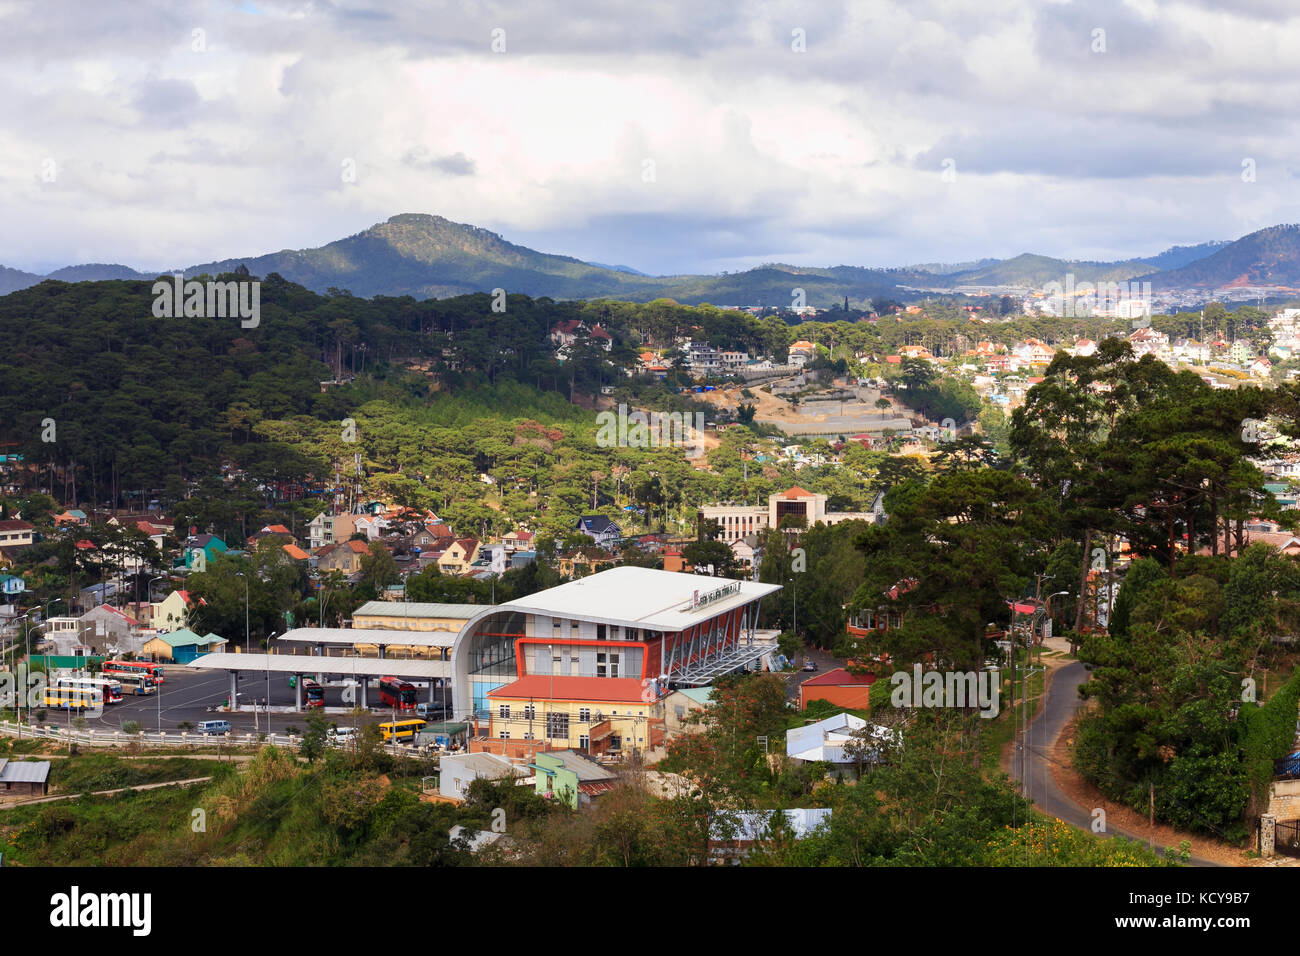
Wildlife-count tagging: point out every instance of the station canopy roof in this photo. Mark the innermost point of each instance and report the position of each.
(316, 664)
(368, 636)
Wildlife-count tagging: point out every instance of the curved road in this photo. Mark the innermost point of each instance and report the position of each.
(1061, 702)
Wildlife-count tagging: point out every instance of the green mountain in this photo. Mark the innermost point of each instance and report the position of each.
(426, 256)
(1031, 271)
(11, 280)
(96, 272)
(1268, 257)
(1175, 257)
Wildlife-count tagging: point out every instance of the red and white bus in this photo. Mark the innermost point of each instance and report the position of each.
(153, 671)
(314, 693)
(396, 693)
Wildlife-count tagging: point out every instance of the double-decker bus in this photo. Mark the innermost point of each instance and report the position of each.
(314, 693)
(74, 693)
(137, 684)
(401, 729)
(396, 693)
(118, 668)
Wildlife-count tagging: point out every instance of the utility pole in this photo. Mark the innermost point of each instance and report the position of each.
(1151, 833)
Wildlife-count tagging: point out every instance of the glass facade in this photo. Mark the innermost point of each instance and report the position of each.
(489, 656)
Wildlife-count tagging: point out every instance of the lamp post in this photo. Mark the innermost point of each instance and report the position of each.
(269, 638)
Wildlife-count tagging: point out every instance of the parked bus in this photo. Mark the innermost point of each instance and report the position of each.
(118, 668)
(401, 729)
(396, 693)
(314, 693)
(111, 688)
(73, 693)
(137, 684)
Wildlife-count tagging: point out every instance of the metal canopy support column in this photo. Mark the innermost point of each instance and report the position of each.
(232, 690)
(297, 692)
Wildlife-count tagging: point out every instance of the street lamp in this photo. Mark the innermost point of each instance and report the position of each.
(269, 638)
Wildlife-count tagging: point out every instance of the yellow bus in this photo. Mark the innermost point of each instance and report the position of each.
(73, 694)
(401, 729)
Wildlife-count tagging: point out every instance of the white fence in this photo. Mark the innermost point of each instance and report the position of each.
(178, 738)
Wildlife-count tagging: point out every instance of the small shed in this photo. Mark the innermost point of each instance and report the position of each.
(24, 778)
(182, 646)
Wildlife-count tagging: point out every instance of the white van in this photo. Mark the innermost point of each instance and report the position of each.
(341, 735)
(214, 727)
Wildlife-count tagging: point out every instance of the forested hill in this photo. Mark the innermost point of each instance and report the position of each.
(136, 399)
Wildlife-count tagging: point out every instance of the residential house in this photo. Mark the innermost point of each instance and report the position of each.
(1190, 350)
(202, 549)
(747, 551)
(108, 629)
(804, 352)
(182, 646)
(842, 740)
(517, 541)
(676, 709)
(566, 333)
(458, 770)
(277, 531)
(459, 556)
(342, 556)
(327, 529)
(172, 611)
(838, 687)
(600, 529)
(571, 778)
(16, 534)
(24, 778)
(1148, 341)
(1241, 351)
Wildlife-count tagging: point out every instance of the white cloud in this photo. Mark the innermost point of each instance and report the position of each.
(168, 156)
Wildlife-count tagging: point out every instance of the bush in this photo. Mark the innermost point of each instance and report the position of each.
(131, 727)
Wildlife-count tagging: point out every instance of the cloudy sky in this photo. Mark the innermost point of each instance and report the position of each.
(671, 137)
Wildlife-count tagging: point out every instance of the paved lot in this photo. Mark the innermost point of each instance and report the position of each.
(187, 693)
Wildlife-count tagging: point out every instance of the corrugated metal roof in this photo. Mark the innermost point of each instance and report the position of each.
(313, 664)
(25, 771)
(586, 770)
(369, 635)
(461, 612)
(187, 638)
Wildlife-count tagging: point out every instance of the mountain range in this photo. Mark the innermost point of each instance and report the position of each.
(428, 256)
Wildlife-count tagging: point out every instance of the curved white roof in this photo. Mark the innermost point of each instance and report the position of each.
(640, 597)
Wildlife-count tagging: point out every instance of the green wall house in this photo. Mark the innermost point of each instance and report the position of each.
(207, 545)
(569, 777)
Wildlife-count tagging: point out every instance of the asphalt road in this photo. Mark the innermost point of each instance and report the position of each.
(1061, 703)
(187, 693)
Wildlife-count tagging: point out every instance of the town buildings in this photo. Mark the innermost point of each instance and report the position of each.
(804, 509)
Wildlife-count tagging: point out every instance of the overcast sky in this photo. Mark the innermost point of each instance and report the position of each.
(671, 137)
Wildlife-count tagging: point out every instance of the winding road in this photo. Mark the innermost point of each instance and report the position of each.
(1061, 702)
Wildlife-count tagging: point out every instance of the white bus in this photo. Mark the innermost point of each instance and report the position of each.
(138, 684)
